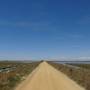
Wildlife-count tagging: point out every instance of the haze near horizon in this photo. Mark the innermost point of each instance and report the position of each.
(44, 29)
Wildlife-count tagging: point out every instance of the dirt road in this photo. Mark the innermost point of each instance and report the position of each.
(45, 77)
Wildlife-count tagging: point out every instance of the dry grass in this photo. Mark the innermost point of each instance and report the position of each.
(80, 75)
(8, 80)
(85, 66)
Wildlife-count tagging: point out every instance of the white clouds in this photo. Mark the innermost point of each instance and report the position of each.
(83, 58)
(20, 24)
(30, 25)
(76, 35)
(24, 24)
(84, 20)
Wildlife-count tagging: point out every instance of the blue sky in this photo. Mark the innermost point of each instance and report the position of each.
(44, 29)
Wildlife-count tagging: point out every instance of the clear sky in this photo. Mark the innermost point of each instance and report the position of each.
(44, 29)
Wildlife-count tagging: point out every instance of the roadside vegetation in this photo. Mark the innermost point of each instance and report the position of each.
(12, 73)
(80, 75)
(86, 66)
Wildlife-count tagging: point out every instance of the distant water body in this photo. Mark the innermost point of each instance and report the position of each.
(73, 62)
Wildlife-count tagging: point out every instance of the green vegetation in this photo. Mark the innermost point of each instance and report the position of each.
(13, 73)
(80, 75)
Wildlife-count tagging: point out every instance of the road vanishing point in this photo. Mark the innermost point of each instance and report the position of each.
(46, 77)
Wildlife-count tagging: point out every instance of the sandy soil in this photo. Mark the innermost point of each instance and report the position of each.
(46, 77)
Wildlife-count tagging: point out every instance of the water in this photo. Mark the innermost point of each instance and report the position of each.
(73, 62)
